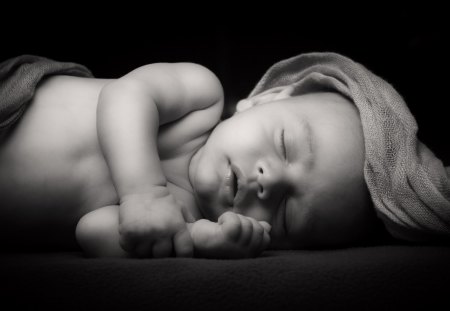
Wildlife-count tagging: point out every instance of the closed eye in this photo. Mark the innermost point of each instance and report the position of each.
(283, 145)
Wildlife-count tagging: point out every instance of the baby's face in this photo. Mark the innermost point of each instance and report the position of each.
(296, 163)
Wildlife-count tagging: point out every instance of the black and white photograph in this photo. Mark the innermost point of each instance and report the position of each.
(283, 160)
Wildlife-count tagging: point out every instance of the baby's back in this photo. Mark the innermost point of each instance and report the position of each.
(51, 168)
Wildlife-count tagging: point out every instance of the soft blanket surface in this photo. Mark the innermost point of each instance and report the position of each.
(365, 278)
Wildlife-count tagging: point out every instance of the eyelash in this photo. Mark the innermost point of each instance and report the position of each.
(283, 145)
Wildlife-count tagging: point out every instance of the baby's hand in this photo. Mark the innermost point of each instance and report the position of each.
(233, 236)
(153, 225)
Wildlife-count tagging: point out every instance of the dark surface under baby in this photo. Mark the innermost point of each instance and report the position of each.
(369, 278)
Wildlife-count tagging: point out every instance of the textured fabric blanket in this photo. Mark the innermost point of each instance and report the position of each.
(391, 277)
(19, 78)
(409, 186)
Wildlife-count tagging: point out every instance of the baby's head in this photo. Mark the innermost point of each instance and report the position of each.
(294, 142)
(293, 161)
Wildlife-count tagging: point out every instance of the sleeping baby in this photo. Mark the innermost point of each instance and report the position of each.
(142, 166)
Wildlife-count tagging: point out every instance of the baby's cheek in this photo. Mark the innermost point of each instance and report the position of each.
(255, 211)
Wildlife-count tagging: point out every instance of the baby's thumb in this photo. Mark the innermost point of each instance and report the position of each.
(265, 225)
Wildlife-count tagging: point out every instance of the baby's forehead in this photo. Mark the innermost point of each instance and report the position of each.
(315, 103)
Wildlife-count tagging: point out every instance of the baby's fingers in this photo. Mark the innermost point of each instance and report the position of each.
(266, 238)
(265, 225)
(257, 242)
(260, 237)
(231, 225)
(183, 244)
(248, 225)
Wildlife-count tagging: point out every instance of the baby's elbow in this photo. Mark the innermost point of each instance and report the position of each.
(198, 79)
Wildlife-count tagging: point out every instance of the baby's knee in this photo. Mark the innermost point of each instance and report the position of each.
(97, 233)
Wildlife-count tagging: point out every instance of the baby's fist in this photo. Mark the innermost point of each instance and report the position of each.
(233, 236)
(250, 235)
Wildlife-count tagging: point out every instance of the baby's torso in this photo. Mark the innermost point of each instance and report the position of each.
(52, 170)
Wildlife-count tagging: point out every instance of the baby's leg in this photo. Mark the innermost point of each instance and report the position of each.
(98, 233)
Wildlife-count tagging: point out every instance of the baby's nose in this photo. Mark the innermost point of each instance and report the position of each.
(270, 180)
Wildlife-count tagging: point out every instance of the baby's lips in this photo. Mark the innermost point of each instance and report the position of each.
(266, 225)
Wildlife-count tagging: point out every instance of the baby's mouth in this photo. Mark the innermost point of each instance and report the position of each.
(240, 190)
(231, 183)
(234, 184)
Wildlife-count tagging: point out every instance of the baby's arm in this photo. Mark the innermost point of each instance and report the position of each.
(233, 236)
(130, 112)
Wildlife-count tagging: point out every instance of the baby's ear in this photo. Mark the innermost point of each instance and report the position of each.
(269, 95)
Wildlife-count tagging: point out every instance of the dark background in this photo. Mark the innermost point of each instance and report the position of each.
(407, 47)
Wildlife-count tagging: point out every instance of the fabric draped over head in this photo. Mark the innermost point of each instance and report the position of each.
(408, 184)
